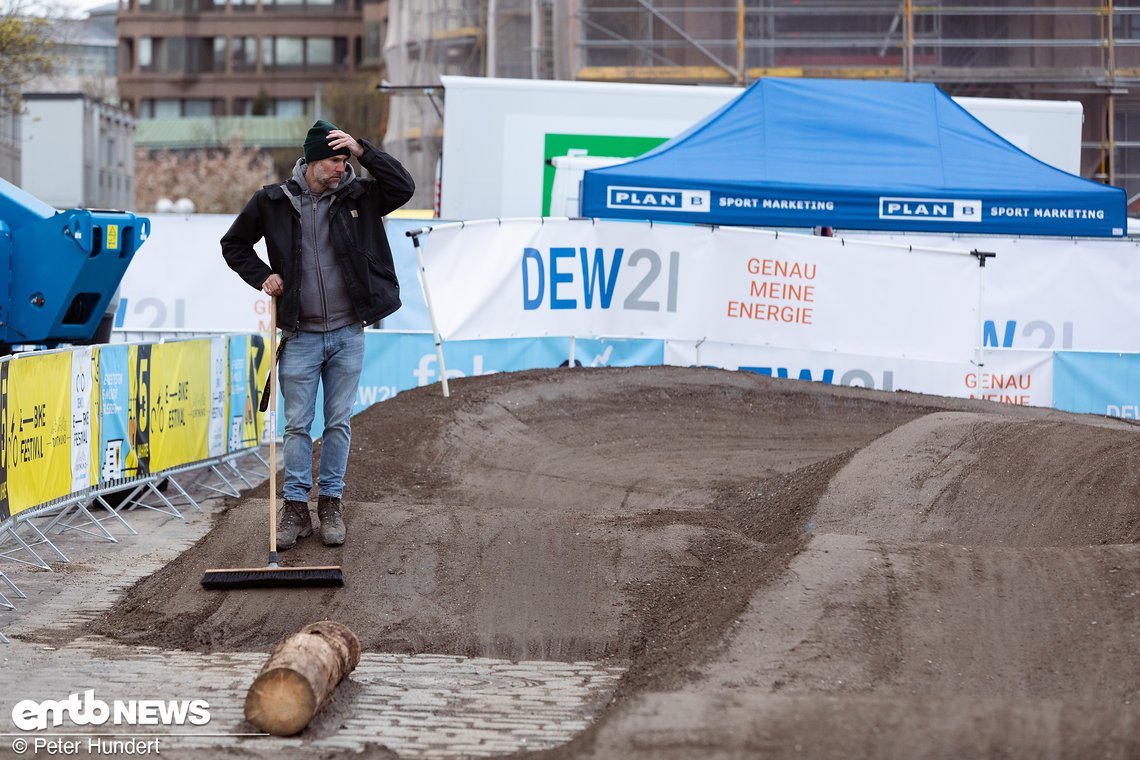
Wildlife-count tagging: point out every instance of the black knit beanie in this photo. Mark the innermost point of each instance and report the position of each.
(317, 143)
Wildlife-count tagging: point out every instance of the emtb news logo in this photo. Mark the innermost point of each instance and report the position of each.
(30, 715)
(931, 209)
(660, 198)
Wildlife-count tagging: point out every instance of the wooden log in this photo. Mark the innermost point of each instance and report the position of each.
(300, 675)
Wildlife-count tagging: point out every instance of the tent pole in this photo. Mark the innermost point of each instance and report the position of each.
(415, 236)
(1111, 95)
(981, 257)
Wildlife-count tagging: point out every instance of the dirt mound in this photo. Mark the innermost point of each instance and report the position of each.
(766, 556)
(985, 479)
(506, 520)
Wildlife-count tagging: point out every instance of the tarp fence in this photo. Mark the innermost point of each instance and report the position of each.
(80, 424)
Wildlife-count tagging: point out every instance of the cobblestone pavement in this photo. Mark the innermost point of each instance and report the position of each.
(418, 706)
(429, 706)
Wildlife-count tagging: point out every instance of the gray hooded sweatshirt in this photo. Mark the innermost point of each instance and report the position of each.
(325, 303)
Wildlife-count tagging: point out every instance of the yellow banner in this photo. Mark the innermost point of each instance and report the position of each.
(258, 361)
(96, 416)
(37, 429)
(5, 510)
(138, 411)
(179, 403)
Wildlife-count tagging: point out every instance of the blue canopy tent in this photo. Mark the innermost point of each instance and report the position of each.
(854, 155)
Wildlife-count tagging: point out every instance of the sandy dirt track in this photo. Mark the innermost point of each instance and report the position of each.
(787, 569)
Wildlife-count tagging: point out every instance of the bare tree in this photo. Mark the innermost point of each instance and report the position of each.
(26, 50)
(218, 181)
(357, 107)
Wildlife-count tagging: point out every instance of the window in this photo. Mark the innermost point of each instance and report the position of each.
(127, 48)
(1126, 27)
(174, 108)
(374, 42)
(319, 51)
(172, 55)
(244, 51)
(300, 6)
(289, 107)
(304, 52)
(208, 54)
(146, 53)
(198, 108)
(286, 52)
(167, 108)
(107, 57)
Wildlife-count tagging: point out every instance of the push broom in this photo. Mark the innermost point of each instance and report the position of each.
(272, 575)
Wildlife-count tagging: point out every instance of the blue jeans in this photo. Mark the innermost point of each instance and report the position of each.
(335, 360)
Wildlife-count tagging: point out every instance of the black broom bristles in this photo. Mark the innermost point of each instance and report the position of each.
(273, 577)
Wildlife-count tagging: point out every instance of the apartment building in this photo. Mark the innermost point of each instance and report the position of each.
(202, 58)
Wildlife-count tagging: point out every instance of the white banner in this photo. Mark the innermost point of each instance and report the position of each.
(82, 475)
(1008, 377)
(219, 395)
(529, 278)
(1050, 293)
(179, 281)
(1011, 377)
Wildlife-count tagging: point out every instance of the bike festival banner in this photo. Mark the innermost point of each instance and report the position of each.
(37, 431)
(240, 405)
(5, 507)
(219, 366)
(138, 411)
(530, 278)
(82, 380)
(249, 369)
(115, 437)
(179, 403)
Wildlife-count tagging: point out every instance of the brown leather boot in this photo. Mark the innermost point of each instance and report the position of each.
(294, 523)
(332, 521)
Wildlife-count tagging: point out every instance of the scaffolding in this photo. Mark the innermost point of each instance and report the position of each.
(1048, 49)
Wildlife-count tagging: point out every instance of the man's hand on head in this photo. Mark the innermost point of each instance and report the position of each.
(273, 285)
(339, 139)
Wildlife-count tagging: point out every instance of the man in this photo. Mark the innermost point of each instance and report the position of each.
(331, 271)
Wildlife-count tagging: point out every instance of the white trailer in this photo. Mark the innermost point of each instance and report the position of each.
(498, 134)
(501, 136)
(1049, 130)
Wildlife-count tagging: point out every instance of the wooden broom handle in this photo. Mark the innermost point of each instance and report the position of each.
(273, 430)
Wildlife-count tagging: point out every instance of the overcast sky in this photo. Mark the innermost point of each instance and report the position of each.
(78, 7)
